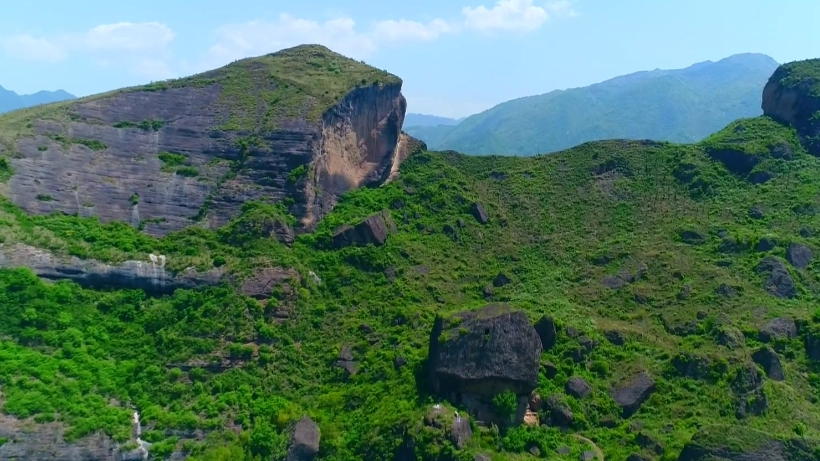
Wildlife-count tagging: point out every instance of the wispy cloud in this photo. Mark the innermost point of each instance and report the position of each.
(140, 47)
(515, 15)
(144, 48)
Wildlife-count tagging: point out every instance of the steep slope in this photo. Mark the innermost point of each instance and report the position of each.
(640, 300)
(683, 105)
(9, 100)
(300, 127)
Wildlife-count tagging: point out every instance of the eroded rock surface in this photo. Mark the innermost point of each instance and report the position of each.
(146, 275)
(372, 230)
(792, 96)
(104, 157)
(476, 355)
(304, 440)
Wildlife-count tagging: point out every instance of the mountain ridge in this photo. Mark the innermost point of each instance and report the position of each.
(638, 300)
(9, 100)
(698, 100)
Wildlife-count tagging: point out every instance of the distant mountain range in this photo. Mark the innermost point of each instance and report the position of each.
(682, 105)
(429, 120)
(9, 100)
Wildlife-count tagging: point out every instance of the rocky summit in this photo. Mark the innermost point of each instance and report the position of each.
(255, 263)
(301, 126)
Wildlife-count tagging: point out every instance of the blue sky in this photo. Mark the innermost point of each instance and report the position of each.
(456, 57)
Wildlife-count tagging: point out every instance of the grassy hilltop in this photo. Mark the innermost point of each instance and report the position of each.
(658, 244)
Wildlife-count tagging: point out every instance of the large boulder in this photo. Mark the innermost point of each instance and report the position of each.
(373, 229)
(633, 392)
(778, 281)
(792, 96)
(799, 255)
(304, 440)
(477, 354)
(741, 443)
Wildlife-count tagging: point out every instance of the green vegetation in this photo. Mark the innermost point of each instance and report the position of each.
(560, 223)
(297, 173)
(802, 73)
(178, 164)
(505, 404)
(5, 169)
(145, 125)
(683, 105)
(304, 80)
(649, 251)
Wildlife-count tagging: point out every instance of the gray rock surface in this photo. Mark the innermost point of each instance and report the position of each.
(146, 275)
(778, 281)
(304, 440)
(122, 177)
(632, 393)
(374, 229)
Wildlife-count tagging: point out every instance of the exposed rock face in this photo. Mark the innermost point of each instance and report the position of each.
(43, 442)
(372, 230)
(767, 358)
(792, 96)
(103, 160)
(577, 387)
(747, 384)
(545, 327)
(631, 394)
(740, 443)
(479, 213)
(146, 275)
(779, 328)
(799, 256)
(304, 440)
(274, 282)
(478, 354)
(778, 281)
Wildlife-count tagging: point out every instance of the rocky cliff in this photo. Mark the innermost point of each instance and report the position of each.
(792, 96)
(301, 127)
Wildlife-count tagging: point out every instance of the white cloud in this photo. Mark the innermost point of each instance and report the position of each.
(404, 30)
(255, 38)
(127, 36)
(139, 47)
(29, 48)
(515, 15)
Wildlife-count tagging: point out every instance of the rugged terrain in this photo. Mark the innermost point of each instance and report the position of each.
(621, 300)
(299, 127)
(680, 105)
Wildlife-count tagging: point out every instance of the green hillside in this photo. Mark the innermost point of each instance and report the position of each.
(669, 260)
(683, 105)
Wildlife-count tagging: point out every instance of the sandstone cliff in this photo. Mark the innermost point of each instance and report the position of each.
(301, 126)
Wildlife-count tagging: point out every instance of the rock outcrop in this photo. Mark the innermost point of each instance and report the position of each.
(304, 440)
(476, 355)
(372, 230)
(169, 154)
(150, 276)
(778, 281)
(41, 442)
(632, 393)
(792, 96)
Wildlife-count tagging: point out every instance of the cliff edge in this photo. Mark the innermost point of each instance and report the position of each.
(792, 96)
(301, 126)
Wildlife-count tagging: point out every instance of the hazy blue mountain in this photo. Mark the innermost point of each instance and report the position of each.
(682, 105)
(412, 119)
(9, 100)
